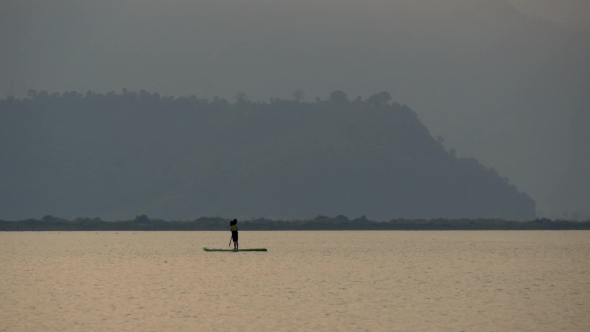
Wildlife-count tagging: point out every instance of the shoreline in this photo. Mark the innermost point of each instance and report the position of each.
(143, 223)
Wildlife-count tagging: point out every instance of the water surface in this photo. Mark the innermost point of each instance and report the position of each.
(307, 281)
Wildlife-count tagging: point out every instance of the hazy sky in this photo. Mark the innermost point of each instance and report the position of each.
(574, 13)
(499, 85)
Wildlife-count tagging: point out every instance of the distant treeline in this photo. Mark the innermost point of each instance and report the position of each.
(143, 223)
(114, 155)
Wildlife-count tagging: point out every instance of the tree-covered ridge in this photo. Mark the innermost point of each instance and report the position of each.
(116, 155)
(143, 223)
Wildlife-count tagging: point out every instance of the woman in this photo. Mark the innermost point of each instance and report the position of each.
(234, 232)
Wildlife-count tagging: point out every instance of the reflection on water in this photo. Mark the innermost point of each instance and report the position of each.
(307, 281)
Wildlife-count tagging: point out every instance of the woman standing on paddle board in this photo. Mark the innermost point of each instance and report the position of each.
(233, 226)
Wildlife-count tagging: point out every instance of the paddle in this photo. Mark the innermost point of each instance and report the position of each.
(230, 238)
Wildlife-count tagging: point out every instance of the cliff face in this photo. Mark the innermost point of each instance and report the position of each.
(116, 156)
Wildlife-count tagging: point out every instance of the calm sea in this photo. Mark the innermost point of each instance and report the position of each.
(307, 281)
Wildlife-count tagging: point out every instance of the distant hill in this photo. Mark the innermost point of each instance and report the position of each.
(115, 156)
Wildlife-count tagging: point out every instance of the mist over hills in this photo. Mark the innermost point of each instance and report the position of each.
(118, 155)
(497, 84)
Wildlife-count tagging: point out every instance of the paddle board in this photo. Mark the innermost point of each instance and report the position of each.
(231, 250)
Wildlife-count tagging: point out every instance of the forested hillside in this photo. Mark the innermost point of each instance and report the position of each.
(115, 156)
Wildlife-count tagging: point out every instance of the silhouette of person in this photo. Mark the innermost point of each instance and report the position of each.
(233, 225)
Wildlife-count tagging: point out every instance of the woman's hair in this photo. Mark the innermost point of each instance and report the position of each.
(233, 222)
